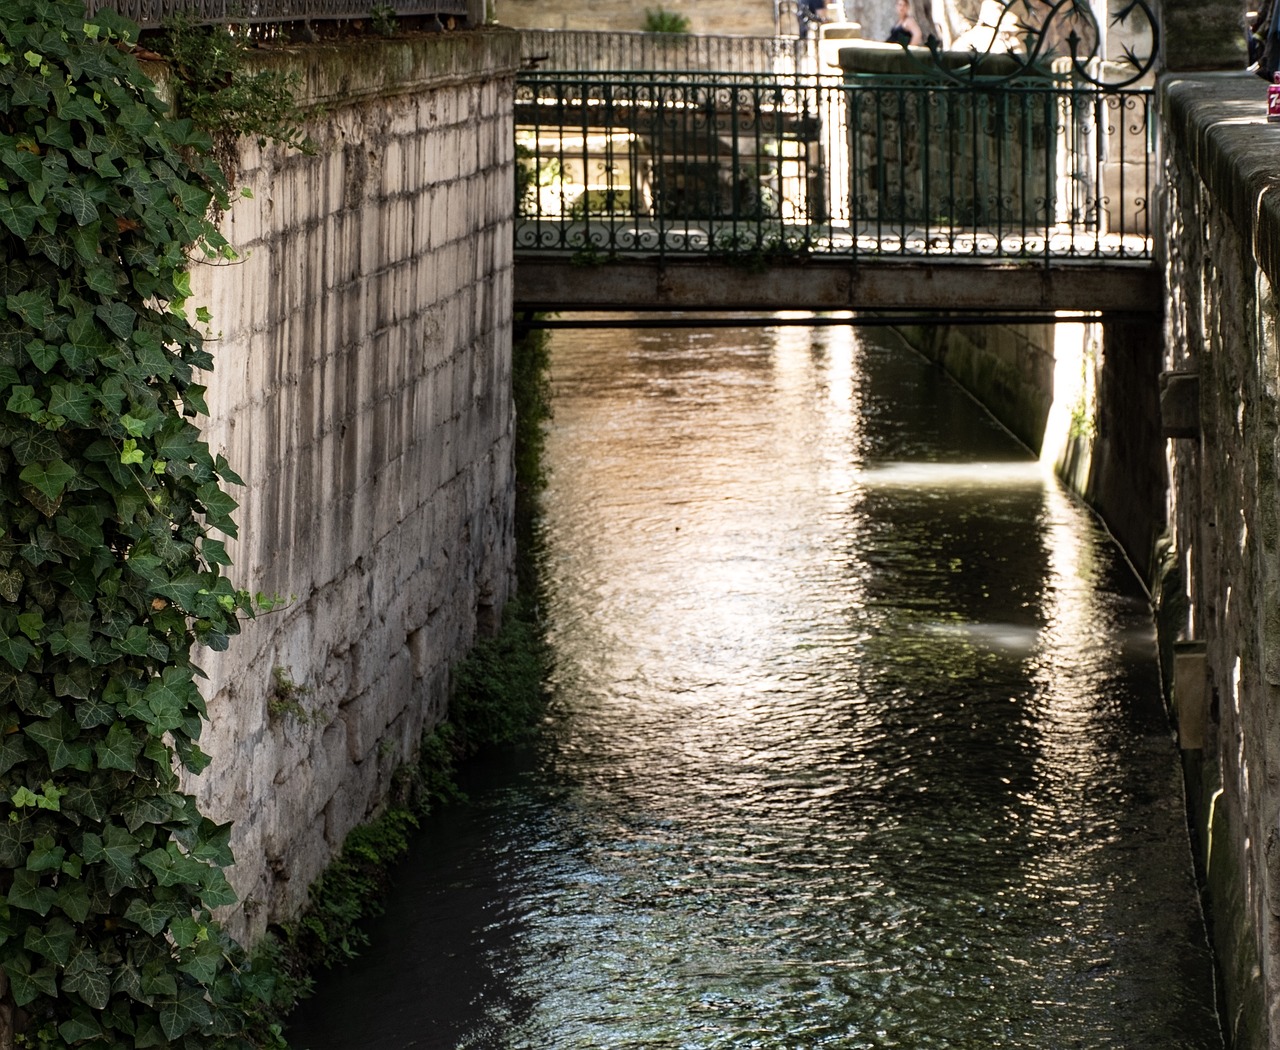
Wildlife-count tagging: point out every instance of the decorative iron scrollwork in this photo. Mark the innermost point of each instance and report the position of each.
(1056, 41)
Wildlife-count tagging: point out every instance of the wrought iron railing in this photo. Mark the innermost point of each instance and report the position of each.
(151, 14)
(580, 49)
(739, 164)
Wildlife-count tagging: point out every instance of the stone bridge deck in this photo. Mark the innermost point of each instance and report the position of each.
(547, 281)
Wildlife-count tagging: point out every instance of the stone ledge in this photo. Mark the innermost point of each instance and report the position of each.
(1217, 123)
(346, 71)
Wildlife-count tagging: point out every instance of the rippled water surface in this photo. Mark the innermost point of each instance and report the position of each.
(856, 741)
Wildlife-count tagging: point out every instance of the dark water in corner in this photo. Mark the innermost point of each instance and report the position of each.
(856, 741)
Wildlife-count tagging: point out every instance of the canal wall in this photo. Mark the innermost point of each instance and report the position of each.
(362, 388)
(1222, 263)
(1085, 398)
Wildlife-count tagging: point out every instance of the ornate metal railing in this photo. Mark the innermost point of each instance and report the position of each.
(739, 164)
(151, 14)
(575, 49)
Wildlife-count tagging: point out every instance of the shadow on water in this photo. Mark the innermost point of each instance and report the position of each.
(856, 741)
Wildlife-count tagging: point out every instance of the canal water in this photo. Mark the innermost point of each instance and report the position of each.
(856, 741)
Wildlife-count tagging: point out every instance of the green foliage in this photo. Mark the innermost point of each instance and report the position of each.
(659, 20)
(215, 89)
(530, 358)
(498, 691)
(109, 566)
(498, 699)
(383, 19)
(287, 696)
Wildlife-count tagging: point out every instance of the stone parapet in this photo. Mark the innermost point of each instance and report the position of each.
(1221, 255)
(362, 389)
(1202, 34)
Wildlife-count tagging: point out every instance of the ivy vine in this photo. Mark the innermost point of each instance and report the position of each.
(110, 565)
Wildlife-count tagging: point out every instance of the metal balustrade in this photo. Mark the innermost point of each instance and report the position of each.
(573, 49)
(152, 14)
(738, 164)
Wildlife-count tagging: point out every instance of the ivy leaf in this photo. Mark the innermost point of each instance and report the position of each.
(152, 809)
(87, 976)
(193, 399)
(149, 1034)
(53, 940)
(45, 855)
(23, 401)
(73, 899)
(71, 400)
(32, 307)
(171, 868)
(27, 893)
(184, 930)
(131, 455)
(16, 651)
(188, 1011)
(117, 316)
(203, 963)
(51, 477)
(168, 696)
(31, 624)
(119, 750)
(217, 507)
(216, 891)
(23, 164)
(75, 200)
(57, 736)
(13, 749)
(82, 1026)
(27, 984)
(82, 526)
(128, 980)
(94, 711)
(19, 214)
(11, 583)
(150, 916)
(42, 355)
(116, 849)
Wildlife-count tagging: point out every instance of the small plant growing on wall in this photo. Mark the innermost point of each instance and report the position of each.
(215, 88)
(660, 20)
(287, 698)
(383, 19)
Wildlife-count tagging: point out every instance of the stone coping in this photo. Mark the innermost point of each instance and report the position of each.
(1217, 124)
(364, 67)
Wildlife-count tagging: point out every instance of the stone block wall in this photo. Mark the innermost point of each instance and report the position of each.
(1222, 261)
(362, 390)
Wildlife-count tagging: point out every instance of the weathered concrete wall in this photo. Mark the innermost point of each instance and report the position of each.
(362, 389)
(1222, 260)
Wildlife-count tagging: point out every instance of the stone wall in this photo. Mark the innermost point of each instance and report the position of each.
(1222, 260)
(732, 17)
(1085, 397)
(362, 390)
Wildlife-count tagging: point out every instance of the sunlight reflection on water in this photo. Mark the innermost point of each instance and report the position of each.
(856, 739)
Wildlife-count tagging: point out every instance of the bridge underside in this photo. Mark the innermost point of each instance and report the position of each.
(547, 282)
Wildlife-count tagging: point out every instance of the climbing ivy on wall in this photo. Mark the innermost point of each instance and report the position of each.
(110, 565)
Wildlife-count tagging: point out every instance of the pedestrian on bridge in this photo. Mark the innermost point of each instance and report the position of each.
(906, 30)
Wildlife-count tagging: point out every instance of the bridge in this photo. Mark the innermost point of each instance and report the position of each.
(915, 180)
